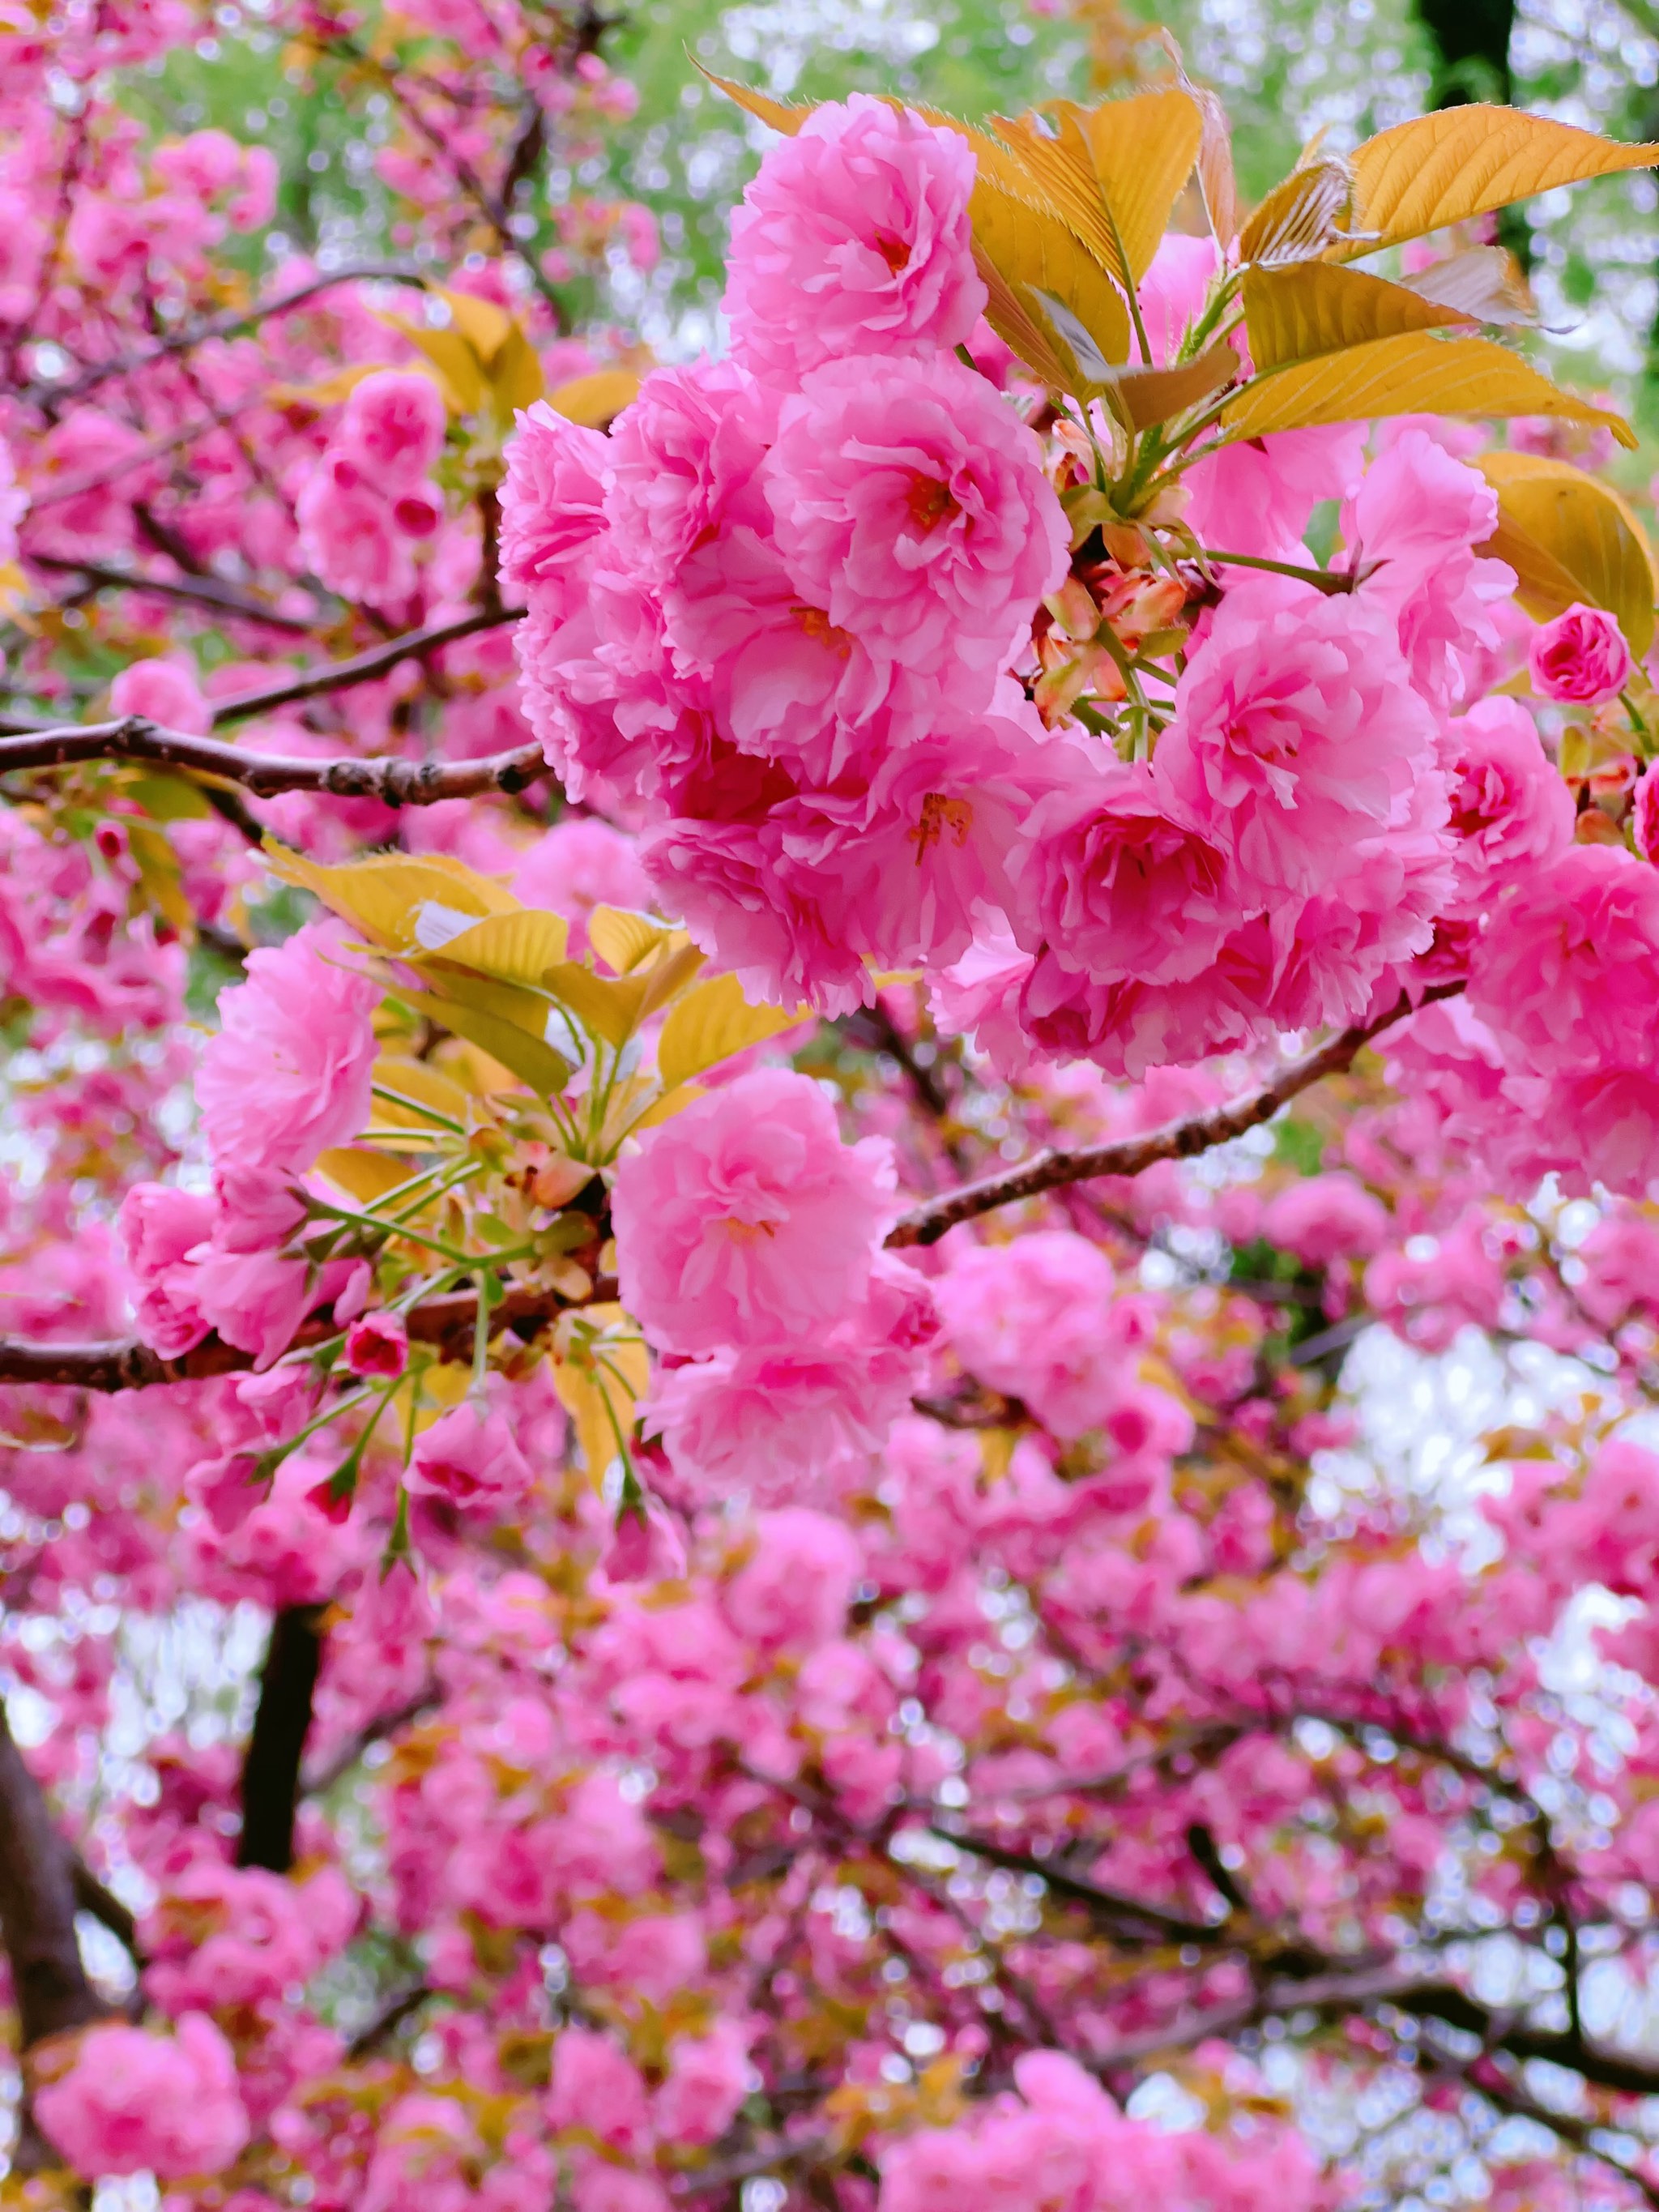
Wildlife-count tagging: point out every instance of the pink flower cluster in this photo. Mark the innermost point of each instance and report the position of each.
(364, 508)
(135, 2103)
(770, 617)
(286, 1076)
(748, 1242)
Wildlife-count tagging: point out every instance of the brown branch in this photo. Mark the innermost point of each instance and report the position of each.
(197, 591)
(127, 1364)
(317, 1781)
(37, 1907)
(1175, 1141)
(91, 1897)
(396, 781)
(340, 674)
(218, 326)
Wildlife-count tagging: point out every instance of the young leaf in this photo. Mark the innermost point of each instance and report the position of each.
(516, 947)
(1141, 397)
(418, 1081)
(460, 373)
(1035, 249)
(158, 874)
(532, 1060)
(1142, 150)
(624, 940)
(1484, 281)
(385, 894)
(515, 376)
(1460, 162)
(595, 401)
(1569, 537)
(600, 1381)
(1417, 373)
(485, 326)
(607, 1008)
(1066, 183)
(1312, 308)
(776, 114)
(364, 1177)
(1018, 326)
(711, 1022)
(1299, 218)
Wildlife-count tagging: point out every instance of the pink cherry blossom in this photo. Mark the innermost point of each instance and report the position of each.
(746, 1220)
(1580, 657)
(133, 2102)
(910, 506)
(468, 1458)
(853, 239)
(288, 1074)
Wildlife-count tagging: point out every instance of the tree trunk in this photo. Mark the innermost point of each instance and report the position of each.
(270, 1771)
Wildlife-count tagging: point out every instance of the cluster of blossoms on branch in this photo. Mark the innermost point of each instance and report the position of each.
(758, 1295)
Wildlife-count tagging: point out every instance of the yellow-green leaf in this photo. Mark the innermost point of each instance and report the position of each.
(667, 977)
(531, 1060)
(711, 1022)
(385, 894)
(515, 376)
(460, 373)
(418, 1081)
(622, 938)
(503, 1002)
(158, 874)
(1569, 537)
(596, 400)
(609, 1008)
(1019, 328)
(1417, 373)
(516, 947)
(1300, 218)
(600, 1377)
(1142, 150)
(167, 798)
(1461, 161)
(362, 1175)
(1311, 308)
(485, 326)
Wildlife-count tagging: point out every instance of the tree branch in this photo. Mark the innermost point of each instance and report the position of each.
(37, 1907)
(1131, 1155)
(219, 326)
(198, 591)
(127, 1364)
(396, 781)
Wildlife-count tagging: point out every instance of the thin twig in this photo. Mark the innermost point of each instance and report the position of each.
(219, 326)
(1177, 1140)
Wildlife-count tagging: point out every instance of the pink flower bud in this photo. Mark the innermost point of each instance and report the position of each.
(377, 1344)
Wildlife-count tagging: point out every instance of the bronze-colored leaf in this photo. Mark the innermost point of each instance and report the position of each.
(1571, 538)
(1461, 161)
(1312, 307)
(1418, 373)
(1299, 218)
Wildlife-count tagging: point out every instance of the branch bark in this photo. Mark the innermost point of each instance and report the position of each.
(127, 1364)
(1177, 1140)
(270, 1769)
(396, 782)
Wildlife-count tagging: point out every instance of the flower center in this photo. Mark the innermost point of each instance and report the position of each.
(940, 817)
(930, 502)
(893, 250)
